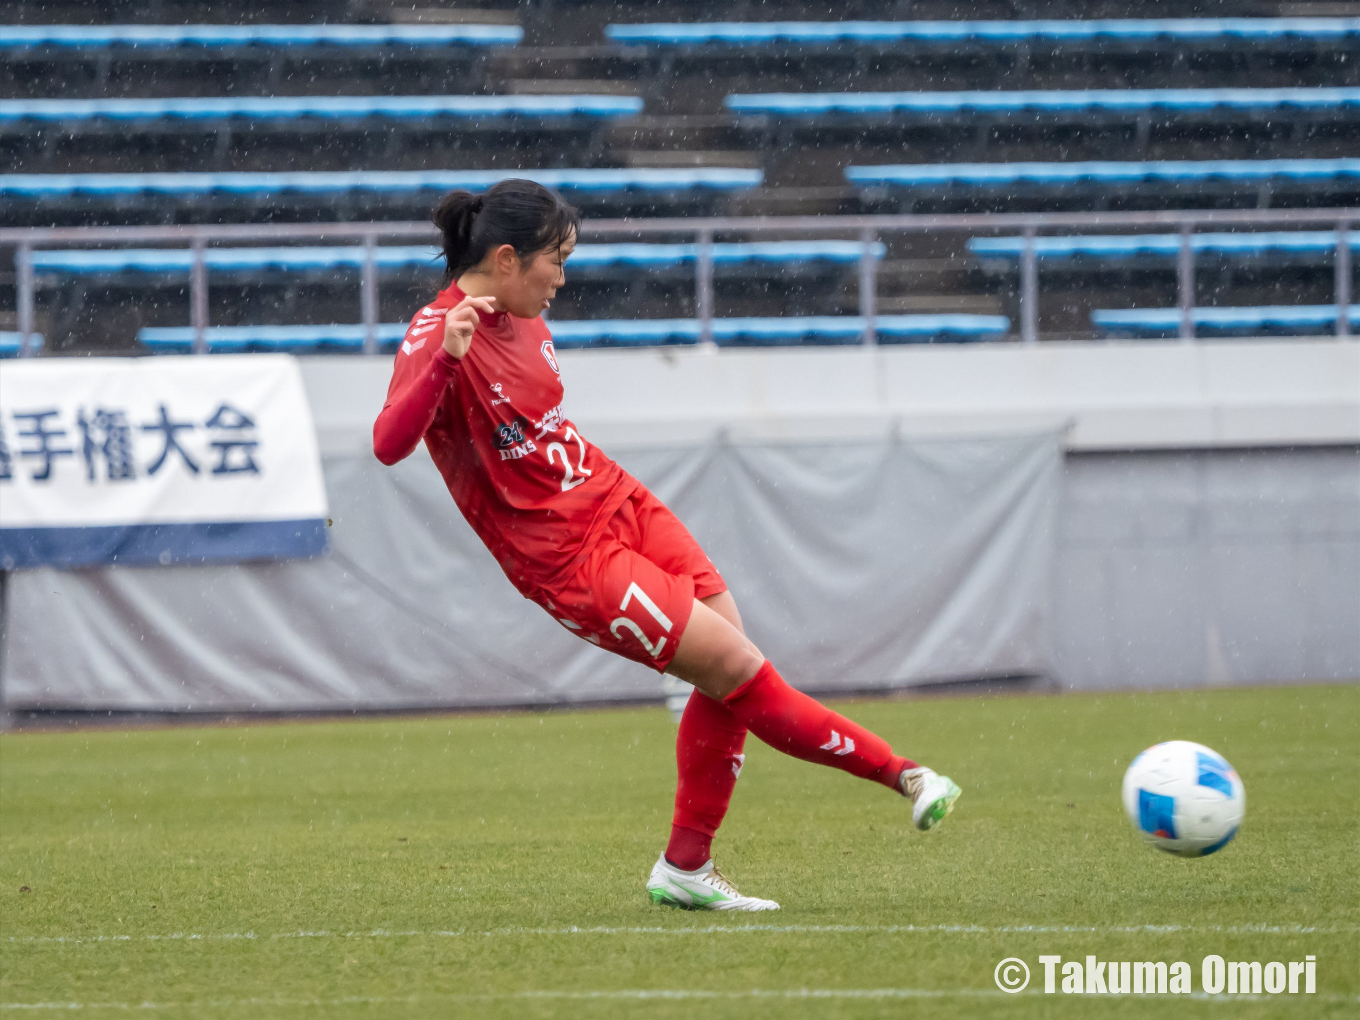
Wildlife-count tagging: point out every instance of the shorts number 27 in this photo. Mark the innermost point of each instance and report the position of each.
(652, 608)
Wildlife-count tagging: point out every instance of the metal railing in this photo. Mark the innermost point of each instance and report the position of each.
(866, 229)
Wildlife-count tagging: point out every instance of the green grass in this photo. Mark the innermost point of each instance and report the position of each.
(438, 863)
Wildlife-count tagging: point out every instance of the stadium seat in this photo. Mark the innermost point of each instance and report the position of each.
(1265, 318)
(1270, 101)
(991, 175)
(586, 333)
(89, 37)
(397, 181)
(1066, 31)
(11, 343)
(779, 330)
(1116, 246)
(300, 258)
(276, 108)
(233, 339)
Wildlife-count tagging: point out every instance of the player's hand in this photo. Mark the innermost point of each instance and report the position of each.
(460, 322)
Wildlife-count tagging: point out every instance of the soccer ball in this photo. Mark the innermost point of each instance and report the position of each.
(1184, 798)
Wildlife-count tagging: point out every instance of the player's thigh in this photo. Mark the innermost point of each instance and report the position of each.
(725, 606)
(626, 604)
(713, 655)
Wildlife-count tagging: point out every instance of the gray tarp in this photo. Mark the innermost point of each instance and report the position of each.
(856, 565)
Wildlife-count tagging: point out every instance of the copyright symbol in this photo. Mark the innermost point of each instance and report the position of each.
(1011, 975)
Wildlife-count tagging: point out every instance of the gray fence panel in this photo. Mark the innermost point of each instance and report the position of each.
(856, 565)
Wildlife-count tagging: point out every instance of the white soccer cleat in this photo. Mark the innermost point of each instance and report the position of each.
(932, 795)
(704, 889)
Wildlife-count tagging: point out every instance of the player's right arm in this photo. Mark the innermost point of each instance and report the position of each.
(419, 382)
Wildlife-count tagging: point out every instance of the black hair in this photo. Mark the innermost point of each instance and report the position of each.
(517, 212)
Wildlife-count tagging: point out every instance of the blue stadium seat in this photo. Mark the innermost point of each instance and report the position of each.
(328, 107)
(218, 36)
(733, 33)
(1115, 246)
(383, 181)
(12, 343)
(301, 258)
(232, 339)
(982, 175)
(815, 104)
(585, 333)
(778, 329)
(1266, 318)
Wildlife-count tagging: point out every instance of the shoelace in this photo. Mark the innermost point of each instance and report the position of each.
(722, 882)
(910, 782)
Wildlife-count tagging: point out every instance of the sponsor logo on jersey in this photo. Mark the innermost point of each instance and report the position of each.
(501, 398)
(511, 433)
(549, 356)
(552, 421)
(410, 348)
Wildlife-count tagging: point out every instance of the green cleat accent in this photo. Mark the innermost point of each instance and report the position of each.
(934, 814)
(703, 889)
(932, 796)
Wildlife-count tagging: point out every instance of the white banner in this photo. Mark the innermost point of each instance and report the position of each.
(157, 460)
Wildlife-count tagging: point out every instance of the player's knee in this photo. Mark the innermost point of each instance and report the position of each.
(737, 663)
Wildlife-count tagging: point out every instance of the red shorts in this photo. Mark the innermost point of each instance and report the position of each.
(634, 592)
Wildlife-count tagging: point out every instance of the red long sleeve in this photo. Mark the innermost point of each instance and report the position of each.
(411, 407)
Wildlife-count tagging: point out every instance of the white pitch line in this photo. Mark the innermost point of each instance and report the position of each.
(650, 994)
(718, 929)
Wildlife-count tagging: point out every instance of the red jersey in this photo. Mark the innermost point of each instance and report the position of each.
(533, 489)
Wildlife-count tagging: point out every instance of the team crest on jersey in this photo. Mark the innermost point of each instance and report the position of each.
(549, 356)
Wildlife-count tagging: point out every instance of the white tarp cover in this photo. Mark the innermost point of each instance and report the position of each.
(157, 460)
(856, 565)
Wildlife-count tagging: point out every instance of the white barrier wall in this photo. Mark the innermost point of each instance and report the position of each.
(1207, 531)
(1115, 396)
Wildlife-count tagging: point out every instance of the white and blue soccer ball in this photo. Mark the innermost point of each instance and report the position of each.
(1184, 798)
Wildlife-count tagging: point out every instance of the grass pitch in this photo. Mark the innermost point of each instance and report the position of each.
(492, 866)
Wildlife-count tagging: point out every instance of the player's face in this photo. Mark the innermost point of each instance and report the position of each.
(530, 290)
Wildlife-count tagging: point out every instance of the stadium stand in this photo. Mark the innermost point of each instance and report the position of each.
(1289, 242)
(142, 37)
(922, 187)
(635, 110)
(73, 113)
(37, 199)
(331, 183)
(1264, 319)
(11, 343)
(1215, 102)
(586, 256)
(1066, 31)
(749, 330)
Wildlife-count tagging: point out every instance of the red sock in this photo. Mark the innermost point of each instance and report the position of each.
(708, 757)
(796, 724)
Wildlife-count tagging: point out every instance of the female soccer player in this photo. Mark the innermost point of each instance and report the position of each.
(477, 379)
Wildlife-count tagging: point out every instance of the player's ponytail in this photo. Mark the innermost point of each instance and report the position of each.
(520, 213)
